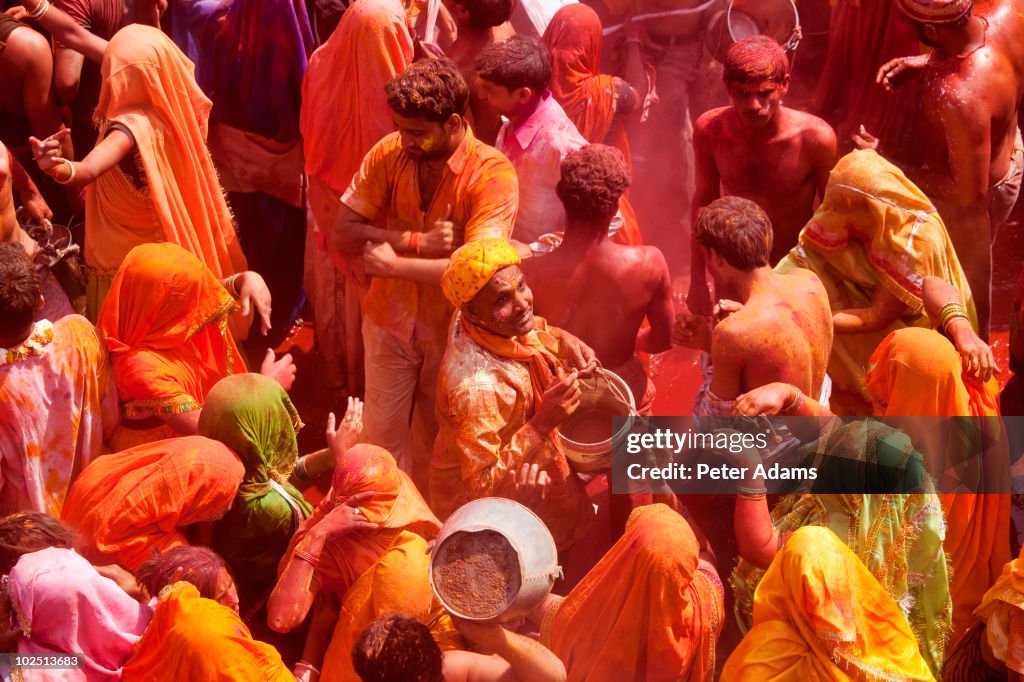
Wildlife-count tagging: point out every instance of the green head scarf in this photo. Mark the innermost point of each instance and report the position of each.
(252, 415)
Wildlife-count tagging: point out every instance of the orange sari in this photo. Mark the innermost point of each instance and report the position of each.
(820, 616)
(397, 582)
(151, 90)
(192, 638)
(588, 96)
(370, 46)
(917, 372)
(165, 324)
(645, 613)
(396, 506)
(133, 504)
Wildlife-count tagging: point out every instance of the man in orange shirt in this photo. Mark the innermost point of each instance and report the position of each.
(508, 382)
(439, 187)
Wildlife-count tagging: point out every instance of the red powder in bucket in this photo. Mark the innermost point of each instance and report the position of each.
(589, 426)
(477, 574)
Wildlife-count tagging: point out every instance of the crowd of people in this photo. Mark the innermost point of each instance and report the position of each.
(482, 215)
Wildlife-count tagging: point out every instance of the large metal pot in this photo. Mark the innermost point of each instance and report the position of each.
(529, 537)
(777, 19)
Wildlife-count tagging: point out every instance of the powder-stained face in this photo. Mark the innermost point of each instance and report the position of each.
(758, 103)
(424, 140)
(505, 305)
(503, 101)
(227, 594)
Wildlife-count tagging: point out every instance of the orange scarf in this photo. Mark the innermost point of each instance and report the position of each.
(164, 322)
(644, 613)
(151, 89)
(396, 505)
(192, 638)
(131, 505)
(535, 349)
(588, 97)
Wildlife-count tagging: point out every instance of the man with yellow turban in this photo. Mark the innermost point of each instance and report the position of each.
(507, 382)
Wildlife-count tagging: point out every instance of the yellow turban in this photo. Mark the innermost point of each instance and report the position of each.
(471, 267)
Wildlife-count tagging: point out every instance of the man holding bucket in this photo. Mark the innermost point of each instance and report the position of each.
(503, 391)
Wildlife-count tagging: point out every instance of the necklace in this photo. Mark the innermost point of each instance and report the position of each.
(42, 334)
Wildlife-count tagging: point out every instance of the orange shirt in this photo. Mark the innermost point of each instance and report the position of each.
(480, 185)
(484, 404)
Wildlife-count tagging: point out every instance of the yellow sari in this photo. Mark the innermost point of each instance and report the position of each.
(819, 615)
(874, 228)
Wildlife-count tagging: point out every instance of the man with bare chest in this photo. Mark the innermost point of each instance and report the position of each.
(777, 326)
(968, 157)
(758, 149)
(480, 23)
(597, 289)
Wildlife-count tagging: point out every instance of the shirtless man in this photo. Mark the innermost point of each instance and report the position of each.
(759, 150)
(396, 647)
(597, 289)
(969, 156)
(480, 23)
(26, 79)
(779, 326)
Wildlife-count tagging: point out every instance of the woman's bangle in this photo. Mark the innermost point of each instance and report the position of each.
(795, 403)
(230, 285)
(756, 493)
(310, 559)
(300, 469)
(414, 242)
(71, 171)
(951, 311)
(303, 665)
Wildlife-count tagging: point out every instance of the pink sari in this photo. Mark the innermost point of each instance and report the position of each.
(62, 605)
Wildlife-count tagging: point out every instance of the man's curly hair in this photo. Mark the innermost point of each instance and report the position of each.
(431, 88)
(593, 179)
(397, 648)
(19, 288)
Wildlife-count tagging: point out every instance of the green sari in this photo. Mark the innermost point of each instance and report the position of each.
(252, 415)
(898, 535)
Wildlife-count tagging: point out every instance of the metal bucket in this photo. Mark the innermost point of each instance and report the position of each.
(777, 19)
(607, 395)
(529, 537)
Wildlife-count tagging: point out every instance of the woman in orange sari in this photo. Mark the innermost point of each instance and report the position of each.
(918, 374)
(165, 323)
(131, 505)
(820, 616)
(373, 508)
(195, 638)
(596, 103)
(371, 45)
(650, 611)
(150, 178)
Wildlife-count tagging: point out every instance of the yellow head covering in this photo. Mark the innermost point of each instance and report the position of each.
(471, 267)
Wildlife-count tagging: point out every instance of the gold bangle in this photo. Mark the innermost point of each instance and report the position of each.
(39, 10)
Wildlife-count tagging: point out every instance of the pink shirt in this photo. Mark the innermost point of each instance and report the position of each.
(536, 149)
